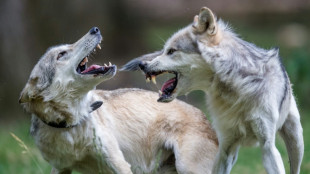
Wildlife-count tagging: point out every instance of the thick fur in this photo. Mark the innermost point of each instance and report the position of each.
(247, 89)
(129, 133)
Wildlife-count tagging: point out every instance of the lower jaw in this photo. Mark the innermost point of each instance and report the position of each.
(165, 98)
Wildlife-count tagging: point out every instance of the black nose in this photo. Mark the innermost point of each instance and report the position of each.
(142, 65)
(94, 30)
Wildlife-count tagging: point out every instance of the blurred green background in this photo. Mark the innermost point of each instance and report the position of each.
(131, 28)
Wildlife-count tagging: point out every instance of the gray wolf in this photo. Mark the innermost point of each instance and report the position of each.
(122, 131)
(248, 92)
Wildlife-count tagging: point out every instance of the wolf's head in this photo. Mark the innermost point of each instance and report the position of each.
(61, 76)
(182, 56)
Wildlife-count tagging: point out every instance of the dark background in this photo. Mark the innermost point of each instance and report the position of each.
(134, 27)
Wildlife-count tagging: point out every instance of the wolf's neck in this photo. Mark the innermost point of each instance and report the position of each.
(78, 107)
(66, 109)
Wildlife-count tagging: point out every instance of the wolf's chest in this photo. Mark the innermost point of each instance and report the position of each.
(62, 149)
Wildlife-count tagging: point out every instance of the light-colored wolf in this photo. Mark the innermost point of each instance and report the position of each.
(247, 89)
(123, 131)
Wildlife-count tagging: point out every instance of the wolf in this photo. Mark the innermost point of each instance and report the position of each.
(122, 131)
(248, 92)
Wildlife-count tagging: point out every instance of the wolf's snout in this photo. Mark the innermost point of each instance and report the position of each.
(94, 30)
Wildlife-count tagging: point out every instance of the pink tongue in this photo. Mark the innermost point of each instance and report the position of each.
(92, 67)
(168, 84)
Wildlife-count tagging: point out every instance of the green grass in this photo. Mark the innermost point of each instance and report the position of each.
(13, 158)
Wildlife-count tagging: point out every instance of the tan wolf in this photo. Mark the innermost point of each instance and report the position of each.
(122, 131)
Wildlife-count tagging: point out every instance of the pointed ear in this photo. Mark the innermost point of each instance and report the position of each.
(29, 92)
(133, 65)
(205, 22)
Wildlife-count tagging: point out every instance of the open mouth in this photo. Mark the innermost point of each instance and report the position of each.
(83, 69)
(168, 88)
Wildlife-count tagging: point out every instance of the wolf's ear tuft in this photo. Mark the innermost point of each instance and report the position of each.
(205, 22)
(28, 92)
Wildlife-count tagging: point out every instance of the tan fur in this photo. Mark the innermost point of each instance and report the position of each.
(129, 133)
(141, 127)
(216, 39)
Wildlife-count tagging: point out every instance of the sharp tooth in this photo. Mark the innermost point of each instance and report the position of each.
(153, 78)
(160, 92)
(110, 64)
(84, 61)
(99, 47)
(105, 65)
(148, 80)
(94, 50)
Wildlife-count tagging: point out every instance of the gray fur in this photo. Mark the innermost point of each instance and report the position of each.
(287, 82)
(45, 69)
(96, 131)
(186, 44)
(249, 95)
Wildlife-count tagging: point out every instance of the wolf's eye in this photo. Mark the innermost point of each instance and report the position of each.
(171, 51)
(61, 54)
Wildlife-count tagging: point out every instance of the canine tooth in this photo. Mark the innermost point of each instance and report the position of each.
(84, 61)
(160, 92)
(110, 64)
(94, 50)
(99, 47)
(153, 78)
(147, 80)
(105, 65)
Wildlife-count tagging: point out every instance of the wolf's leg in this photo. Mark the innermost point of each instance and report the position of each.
(291, 132)
(265, 130)
(114, 157)
(194, 154)
(226, 156)
(56, 171)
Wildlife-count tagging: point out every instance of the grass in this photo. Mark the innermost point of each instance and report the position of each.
(18, 158)
(14, 158)
(18, 152)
